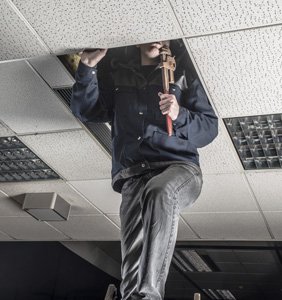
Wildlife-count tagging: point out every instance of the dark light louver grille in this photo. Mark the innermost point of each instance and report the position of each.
(99, 130)
(19, 163)
(258, 140)
(190, 261)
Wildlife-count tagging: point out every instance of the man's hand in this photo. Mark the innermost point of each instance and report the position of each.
(91, 57)
(169, 105)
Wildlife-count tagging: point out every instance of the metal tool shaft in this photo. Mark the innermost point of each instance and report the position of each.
(168, 65)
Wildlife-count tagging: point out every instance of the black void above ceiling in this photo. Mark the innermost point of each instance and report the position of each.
(100, 131)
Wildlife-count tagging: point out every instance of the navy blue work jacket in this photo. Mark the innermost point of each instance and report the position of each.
(130, 102)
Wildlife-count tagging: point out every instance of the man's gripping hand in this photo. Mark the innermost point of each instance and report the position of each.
(91, 57)
(169, 105)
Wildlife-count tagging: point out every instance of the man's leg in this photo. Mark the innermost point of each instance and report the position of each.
(164, 196)
(131, 234)
(149, 220)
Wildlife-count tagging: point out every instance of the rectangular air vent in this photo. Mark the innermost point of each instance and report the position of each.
(19, 163)
(258, 140)
(99, 130)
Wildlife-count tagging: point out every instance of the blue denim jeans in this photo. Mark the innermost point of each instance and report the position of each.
(149, 213)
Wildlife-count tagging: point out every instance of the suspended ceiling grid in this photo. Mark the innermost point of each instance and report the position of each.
(235, 47)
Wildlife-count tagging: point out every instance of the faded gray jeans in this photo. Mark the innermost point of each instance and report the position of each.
(149, 213)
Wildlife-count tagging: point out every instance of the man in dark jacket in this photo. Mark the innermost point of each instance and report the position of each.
(158, 175)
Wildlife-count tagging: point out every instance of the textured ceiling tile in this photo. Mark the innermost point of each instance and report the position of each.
(4, 237)
(9, 207)
(75, 155)
(274, 220)
(29, 229)
(79, 205)
(4, 131)
(52, 71)
(97, 23)
(267, 188)
(115, 219)
(100, 193)
(224, 193)
(28, 104)
(231, 226)
(16, 40)
(94, 228)
(207, 16)
(242, 70)
(218, 157)
(184, 232)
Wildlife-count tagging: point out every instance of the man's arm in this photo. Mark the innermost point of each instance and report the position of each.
(194, 119)
(92, 102)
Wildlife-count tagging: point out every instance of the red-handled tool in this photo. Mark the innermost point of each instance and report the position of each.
(168, 66)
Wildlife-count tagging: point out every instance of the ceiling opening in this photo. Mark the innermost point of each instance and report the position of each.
(102, 132)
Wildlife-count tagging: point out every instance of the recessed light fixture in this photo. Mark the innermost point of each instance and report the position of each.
(19, 163)
(181, 263)
(191, 261)
(258, 140)
(196, 261)
(212, 294)
(226, 294)
(219, 294)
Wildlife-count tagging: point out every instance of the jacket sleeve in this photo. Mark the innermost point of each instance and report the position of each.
(90, 102)
(196, 120)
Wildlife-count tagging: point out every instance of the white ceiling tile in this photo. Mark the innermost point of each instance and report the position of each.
(74, 154)
(274, 219)
(52, 70)
(10, 208)
(267, 188)
(231, 226)
(28, 104)
(218, 157)
(5, 131)
(94, 228)
(30, 229)
(100, 193)
(98, 24)
(184, 232)
(4, 237)
(115, 219)
(242, 70)
(16, 40)
(224, 193)
(203, 17)
(16, 190)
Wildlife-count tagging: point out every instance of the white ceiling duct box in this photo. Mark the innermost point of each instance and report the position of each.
(46, 206)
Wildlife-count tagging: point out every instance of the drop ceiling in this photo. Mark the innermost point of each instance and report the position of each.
(236, 49)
